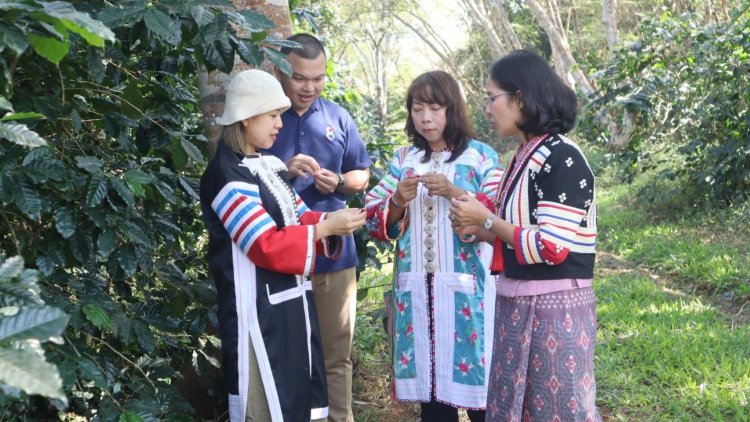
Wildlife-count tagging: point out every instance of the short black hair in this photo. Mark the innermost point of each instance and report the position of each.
(311, 47)
(549, 104)
(439, 87)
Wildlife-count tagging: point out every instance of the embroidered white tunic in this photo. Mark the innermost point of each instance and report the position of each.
(453, 363)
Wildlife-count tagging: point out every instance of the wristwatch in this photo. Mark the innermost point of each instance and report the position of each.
(340, 184)
(488, 222)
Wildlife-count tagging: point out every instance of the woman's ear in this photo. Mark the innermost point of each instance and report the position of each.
(245, 122)
(519, 99)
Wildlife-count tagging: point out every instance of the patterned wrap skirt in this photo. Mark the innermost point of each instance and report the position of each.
(543, 358)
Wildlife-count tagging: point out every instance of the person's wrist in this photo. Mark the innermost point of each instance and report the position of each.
(488, 221)
(323, 230)
(340, 184)
(456, 192)
(397, 203)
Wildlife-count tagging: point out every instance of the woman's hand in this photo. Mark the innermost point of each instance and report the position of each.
(406, 190)
(341, 223)
(467, 214)
(438, 184)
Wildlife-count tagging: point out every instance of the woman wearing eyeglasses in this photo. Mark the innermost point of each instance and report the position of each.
(544, 233)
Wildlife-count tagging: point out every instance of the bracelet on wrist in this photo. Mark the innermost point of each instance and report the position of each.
(395, 204)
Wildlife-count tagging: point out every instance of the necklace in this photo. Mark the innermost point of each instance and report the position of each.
(516, 163)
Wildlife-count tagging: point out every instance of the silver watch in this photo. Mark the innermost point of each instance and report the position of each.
(488, 222)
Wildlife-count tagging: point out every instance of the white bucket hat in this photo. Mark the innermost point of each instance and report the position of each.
(250, 93)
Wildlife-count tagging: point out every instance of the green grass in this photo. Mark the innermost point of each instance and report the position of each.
(674, 341)
(665, 357)
(703, 250)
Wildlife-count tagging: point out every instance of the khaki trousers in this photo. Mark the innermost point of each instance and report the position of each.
(335, 301)
(257, 403)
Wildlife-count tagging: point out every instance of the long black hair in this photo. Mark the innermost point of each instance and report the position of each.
(549, 105)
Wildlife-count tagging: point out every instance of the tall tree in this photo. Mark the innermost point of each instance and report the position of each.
(619, 128)
(414, 19)
(482, 15)
(609, 19)
(373, 44)
(565, 64)
(492, 16)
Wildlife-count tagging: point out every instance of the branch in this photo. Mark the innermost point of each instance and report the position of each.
(123, 357)
(431, 31)
(424, 38)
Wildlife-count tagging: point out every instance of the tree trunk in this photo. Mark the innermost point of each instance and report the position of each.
(561, 48)
(609, 19)
(212, 85)
(372, 42)
(619, 131)
(505, 26)
(431, 37)
(481, 15)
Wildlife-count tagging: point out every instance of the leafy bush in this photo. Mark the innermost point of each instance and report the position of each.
(25, 322)
(687, 84)
(99, 192)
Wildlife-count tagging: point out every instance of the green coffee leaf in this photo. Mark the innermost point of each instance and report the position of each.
(65, 222)
(28, 371)
(21, 135)
(97, 190)
(48, 47)
(97, 316)
(33, 322)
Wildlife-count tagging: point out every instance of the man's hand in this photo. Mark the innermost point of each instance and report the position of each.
(325, 181)
(302, 165)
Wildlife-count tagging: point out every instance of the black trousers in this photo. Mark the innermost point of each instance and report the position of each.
(435, 411)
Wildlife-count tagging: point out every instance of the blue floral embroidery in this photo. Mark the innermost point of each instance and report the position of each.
(403, 356)
(468, 351)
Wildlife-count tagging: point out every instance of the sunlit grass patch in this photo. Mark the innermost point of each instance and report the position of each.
(665, 357)
(704, 251)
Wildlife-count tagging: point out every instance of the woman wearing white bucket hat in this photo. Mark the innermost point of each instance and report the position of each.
(262, 245)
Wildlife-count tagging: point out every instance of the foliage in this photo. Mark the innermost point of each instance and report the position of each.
(653, 314)
(688, 86)
(649, 228)
(99, 191)
(25, 322)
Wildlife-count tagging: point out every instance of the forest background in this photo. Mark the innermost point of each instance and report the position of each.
(106, 308)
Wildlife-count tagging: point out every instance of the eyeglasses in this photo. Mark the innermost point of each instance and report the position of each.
(489, 99)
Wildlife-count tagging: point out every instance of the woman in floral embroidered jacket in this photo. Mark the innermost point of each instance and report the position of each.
(544, 233)
(262, 244)
(443, 324)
